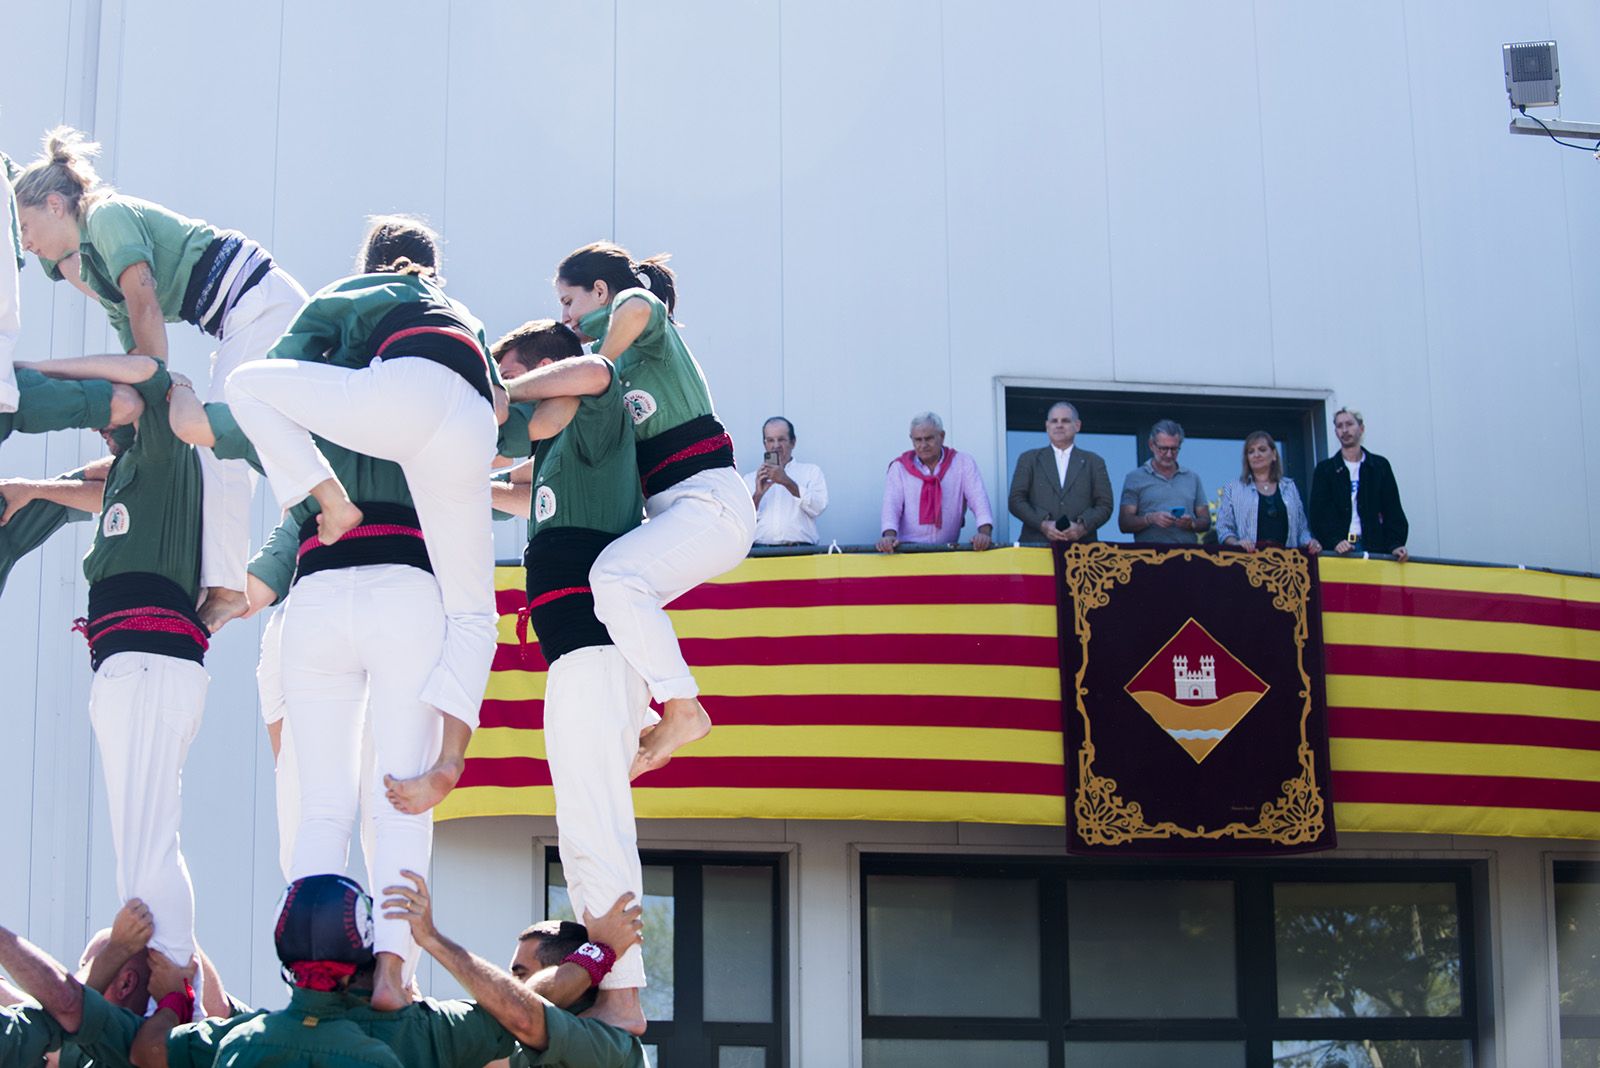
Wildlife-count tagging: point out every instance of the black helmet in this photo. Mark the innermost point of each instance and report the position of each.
(324, 918)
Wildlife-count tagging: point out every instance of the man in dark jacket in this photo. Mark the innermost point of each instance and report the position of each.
(1060, 492)
(1355, 503)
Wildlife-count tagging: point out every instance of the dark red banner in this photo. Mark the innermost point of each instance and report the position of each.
(1195, 720)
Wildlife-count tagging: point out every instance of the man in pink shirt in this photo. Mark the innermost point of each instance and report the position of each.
(928, 490)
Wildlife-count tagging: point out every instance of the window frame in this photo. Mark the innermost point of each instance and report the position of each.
(688, 1038)
(1257, 1025)
(1576, 1025)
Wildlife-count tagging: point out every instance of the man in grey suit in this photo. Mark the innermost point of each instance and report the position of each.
(1060, 492)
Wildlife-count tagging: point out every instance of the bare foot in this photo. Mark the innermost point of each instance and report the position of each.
(683, 720)
(389, 991)
(221, 605)
(421, 792)
(620, 1008)
(335, 523)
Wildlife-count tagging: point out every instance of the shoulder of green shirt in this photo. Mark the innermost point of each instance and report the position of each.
(106, 1030)
(579, 1040)
(658, 313)
(231, 442)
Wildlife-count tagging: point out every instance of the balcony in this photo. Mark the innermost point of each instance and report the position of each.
(1462, 699)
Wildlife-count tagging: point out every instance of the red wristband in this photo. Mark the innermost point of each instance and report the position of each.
(180, 1002)
(596, 958)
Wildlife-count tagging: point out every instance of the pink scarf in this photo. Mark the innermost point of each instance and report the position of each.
(930, 512)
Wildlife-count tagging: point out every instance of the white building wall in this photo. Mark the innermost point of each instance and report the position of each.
(874, 209)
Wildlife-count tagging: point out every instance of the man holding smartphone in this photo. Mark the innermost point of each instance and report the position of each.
(1163, 503)
(789, 494)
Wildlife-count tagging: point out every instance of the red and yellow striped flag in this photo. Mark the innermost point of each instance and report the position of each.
(1463, 700)
(912, 687)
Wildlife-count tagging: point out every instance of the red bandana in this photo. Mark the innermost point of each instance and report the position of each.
(931, 510)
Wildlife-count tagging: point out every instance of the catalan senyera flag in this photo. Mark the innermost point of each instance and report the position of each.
(922, 686)
(1461, 700)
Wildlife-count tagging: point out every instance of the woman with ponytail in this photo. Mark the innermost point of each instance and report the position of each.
(702, 521)
(385, 365)
(149, 266)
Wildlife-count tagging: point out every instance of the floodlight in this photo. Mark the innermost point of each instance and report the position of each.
(1533, 77)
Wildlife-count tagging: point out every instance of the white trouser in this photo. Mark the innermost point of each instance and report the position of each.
(427, 419)
(357, 646)
(10, 308)
(145, 709)
(286, 776)
(595, 705)
(250, 328)
(698, 529)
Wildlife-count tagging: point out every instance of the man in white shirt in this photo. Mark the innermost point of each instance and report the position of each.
(789, 494)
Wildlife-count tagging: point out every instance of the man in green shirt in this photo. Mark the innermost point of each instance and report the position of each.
(585, 495)
(324, 939)
(555, 964)
(91, 1020)
(146, 643)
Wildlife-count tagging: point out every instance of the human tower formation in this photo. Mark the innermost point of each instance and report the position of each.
(379, 413)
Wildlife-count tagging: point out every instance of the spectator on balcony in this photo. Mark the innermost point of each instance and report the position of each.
(1162, 503)
(1355, 502)
(1262, 507)
(1060, 492)
(789, 494)
(928, 490)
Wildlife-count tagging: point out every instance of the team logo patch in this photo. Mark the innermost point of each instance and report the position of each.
(115, 522)
(640, 404)
(544, 504)
(1196, 690)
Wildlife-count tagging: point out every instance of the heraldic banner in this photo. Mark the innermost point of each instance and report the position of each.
(1195, 721)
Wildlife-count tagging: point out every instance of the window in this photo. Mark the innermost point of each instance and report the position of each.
(1578, 961)
(1056, 964)
(713, 956)
(1116, 425)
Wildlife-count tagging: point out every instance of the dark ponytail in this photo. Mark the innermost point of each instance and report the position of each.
(400, 244)
(606, 262)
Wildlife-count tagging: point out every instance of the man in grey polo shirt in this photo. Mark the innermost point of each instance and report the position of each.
(1162, 503)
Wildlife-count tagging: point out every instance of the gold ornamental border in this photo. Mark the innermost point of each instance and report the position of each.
(1104, 817)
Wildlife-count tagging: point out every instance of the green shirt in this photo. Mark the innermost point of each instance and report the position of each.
(586, 476)
(150, 518)
(663, 386)
(26, 1035)
(120, 231)
(577, 1042)
(290, 1038)
(9, 171)
(424, 1034)
(336, 324)
(32, 527)
(103, 1037)
(46, 404)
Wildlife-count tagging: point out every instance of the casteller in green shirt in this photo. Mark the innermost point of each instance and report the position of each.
(424, 1034)
(150, 516)
(104, 1035)
(290, 1040)
(119, 231)
(579, 1042)
(663, 386)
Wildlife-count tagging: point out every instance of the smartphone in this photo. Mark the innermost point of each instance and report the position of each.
(770, 458)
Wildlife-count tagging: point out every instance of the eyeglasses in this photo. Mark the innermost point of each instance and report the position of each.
(1165, 448)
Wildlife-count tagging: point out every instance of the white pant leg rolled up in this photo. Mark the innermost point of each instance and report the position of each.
(698, 529)
(406, 731)
(325, 690)
(250, 328)
(145, 710)
(595, 705)
(441, 432)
